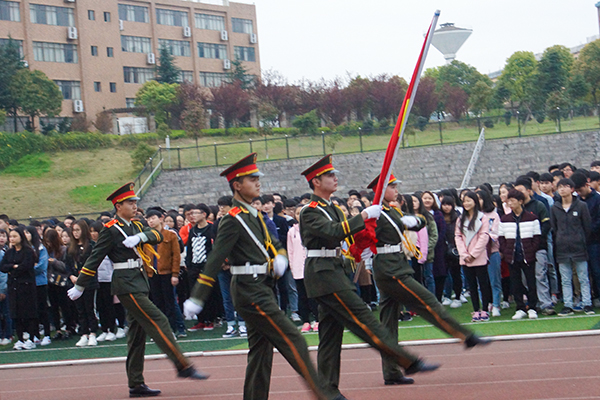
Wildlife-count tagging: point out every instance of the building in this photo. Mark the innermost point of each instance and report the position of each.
(101, 52)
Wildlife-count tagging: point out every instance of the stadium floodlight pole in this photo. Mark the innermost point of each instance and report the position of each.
(392, 149)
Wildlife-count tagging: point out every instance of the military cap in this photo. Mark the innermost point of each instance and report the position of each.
(245, 167)
(123, 193)
(373, 184)
(319, 168)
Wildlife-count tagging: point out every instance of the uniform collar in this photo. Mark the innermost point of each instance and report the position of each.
(253, 211)
(121, 221)
(322, 202)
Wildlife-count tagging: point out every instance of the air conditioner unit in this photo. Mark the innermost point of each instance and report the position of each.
(151, 58)
(78, 106)
(72, 33)
(69, 1)
(224, 36)
(121, 25)
(25, 63)
(187, 31)
(226, 64)
(253, 38)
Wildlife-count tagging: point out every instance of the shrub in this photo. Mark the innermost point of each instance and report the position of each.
(104, 122)
(307, 123)
(422, 123)
(80, 123)
(141, 154)
(488, 123)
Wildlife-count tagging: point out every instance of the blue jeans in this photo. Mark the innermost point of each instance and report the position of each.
(594, 265)
(179, 324)
(6, 328)
(495, 278)
(428, 280)
(225, 285)
(566, 275)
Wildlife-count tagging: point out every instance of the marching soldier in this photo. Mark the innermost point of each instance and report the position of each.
(394, 278)
(323, 227)
(256, 261)
(122, 240)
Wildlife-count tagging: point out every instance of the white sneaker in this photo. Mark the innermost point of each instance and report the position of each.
(82, 342)
(504, 305)
(243, 331)
(92, 341)
(4, 342)
(520, 314)
(532, 314)
(28, 345)
(25, 336)
(456, 304)
(18, 345)
(120, 333)
(463, 299)
(102, 337)
(495, 312)
(36, 340)
(446, 301)
(296, 317)
(46, 341)
(110, 337)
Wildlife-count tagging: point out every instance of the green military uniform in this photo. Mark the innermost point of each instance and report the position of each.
(322, 227)
(397, 287)
(130, 285)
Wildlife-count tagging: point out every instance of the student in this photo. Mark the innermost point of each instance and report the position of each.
(5, 321)
(472, 235)
(519, 235)
(571, 224)
(452, 257)
(595, 166)
(41, 282)
(594, 179)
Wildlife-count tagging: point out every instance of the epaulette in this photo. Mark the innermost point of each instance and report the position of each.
(235, 211)
(313, 204)
(110, 223)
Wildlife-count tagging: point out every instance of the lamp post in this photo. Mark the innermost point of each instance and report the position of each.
(440, 127)
(519, 123)
(558, 116)
(360, 138)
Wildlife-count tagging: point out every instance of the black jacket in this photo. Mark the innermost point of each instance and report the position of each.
(593, 203)
(21, 282)
(571, 229)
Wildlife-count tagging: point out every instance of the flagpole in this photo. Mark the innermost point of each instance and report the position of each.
(398, 133)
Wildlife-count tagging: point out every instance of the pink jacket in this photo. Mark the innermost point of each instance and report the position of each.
(422, 244)
(474, 242)
(494, 225)
(296, 252)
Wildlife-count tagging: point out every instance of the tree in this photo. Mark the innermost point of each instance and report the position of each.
(458, 74)
(104, 122)
(387, 94)
(455, 100)
(166, 70)
(231, 102)
(193, 121)
(275, 97)
(554, 69)
(357, 95)
(80, 123)
(35, 94)
(426, 99)
(589, 65)
(239, 74)
(156, 98)
(518, 79)
(10, 65)
(481, 96)
(307, 123)
(334, 105)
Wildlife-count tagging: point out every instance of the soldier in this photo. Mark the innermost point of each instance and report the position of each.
(394, 278)
(323, 227)
(122, 240)
(256, 261)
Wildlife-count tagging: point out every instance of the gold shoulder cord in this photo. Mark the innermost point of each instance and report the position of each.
(406, 242)
(349, 239)
(142, 248)
(268, 242)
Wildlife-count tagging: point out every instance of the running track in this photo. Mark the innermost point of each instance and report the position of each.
(549, 368)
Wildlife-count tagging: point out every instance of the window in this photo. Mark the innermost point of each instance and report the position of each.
(131, 13)
(19, 43)
(110, 52)
(71, 90)
(176, 47)
(186, 76)
(97, 87)
(212, 79)
(212, 50)
(94, 51)
(137, 75)
(91, 15)
(113, 87)
(211, 22)
(171, 17)
(49, 15)
(9, 11)
(55, 52)
(244, 53)
(136, 44)
(129, 102)
(106, 16)
(240, 25)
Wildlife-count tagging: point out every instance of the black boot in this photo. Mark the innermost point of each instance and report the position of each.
(420, 366)
(475, 340)
(403, 380)
(192, 373)
(143, 391)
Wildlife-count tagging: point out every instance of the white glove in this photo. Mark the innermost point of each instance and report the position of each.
(280, 264)
(191, 308)
(373, 211)
(74, 293)
(366, 254)
(132, 241)
(410, 221)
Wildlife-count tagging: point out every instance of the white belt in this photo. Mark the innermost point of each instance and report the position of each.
(331, 253)
(249, 269)
(130, 264)
(388, 249)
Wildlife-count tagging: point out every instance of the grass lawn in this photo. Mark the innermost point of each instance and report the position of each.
(417, 329)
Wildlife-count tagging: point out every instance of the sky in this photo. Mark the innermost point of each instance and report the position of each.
(329, 39)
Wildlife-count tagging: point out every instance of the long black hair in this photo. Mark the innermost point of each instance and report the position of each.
(407, 206)
(25, 243)
(488, 202)
(449, 200)
(35, 239)
(465, 215)
(422, 210)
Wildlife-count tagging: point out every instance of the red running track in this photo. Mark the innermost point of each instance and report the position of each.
(559, 368)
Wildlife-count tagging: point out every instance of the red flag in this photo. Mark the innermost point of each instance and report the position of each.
(392, 149)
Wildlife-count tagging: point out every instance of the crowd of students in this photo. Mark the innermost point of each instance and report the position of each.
(535, 242)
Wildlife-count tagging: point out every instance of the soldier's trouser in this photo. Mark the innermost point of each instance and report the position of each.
(346, 309)
(268, 326)
(145, 318)
(405, 290)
